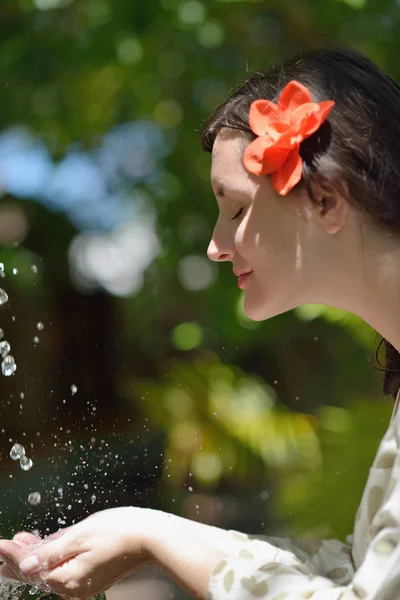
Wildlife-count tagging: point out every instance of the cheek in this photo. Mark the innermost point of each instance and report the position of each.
(252, 239)
(266, 245)
(246, 234)
(243, 241)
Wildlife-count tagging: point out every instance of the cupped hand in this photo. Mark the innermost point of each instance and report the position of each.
(83, 559)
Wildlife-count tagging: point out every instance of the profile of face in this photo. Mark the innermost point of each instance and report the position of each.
(276, 238)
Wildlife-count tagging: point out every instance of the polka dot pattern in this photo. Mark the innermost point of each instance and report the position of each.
(309, 546)
(256, 588)
(366, 567)
(386, 460)
(228, 580)
(220, 567)
(338, 573)
(246, 554)
(359, 592)
(384, 547)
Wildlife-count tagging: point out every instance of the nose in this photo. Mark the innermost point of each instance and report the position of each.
(220, 248)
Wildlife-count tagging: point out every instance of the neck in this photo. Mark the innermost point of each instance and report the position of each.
(369, 283)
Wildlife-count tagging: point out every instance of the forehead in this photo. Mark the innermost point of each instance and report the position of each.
(227, 164)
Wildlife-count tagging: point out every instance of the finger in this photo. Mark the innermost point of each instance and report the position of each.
(26, 538)
(51, 553)
(8, 573)
(10, 565)
(12, 552)
(66, 580)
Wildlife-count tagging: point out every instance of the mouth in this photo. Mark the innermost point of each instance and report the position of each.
(243, 278)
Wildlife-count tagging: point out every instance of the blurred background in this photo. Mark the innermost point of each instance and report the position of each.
(139, 379)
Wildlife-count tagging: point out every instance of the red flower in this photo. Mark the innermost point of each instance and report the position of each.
(280, 129)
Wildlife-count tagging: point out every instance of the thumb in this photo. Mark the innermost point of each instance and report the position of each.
(25, 538)
(11, 552)
(51, 553)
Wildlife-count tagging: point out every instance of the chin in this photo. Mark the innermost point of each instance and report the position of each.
(262, 311)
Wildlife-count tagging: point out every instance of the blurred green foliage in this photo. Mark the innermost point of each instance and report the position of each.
(290, 406)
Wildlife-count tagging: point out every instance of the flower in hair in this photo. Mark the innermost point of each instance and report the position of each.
(280, 128)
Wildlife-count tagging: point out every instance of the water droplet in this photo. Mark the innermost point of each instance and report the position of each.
(1, 334)
(4, 348)
(93, 499)
(3, 297)
(46, 589)
(15, 271)
(40, 326)
(34, 269)
(8, 366)
(26, 463)
(17, 452)
(34, 498)
(34, 589)
(36, 339)
(22, 395)
(2, 272)
(74, 389)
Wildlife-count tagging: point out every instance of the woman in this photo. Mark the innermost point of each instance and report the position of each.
(306, 172)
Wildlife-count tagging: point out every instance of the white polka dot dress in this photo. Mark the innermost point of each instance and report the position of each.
(366, 566)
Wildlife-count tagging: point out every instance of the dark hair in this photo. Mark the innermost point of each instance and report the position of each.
(358, 144)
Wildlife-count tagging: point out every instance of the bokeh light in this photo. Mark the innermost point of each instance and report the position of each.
(196, 273)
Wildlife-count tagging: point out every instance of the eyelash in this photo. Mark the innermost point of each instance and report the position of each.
(237, 214)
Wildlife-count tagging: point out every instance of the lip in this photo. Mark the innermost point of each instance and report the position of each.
(243, 278)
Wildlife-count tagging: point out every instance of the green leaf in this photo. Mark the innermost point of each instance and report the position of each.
(356, 3)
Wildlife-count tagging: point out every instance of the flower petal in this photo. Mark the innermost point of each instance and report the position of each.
(289, 174)
(293, 95)
(308, 118)
(261, 113)
(261, 158)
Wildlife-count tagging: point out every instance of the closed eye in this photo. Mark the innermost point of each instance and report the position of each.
(237, 214)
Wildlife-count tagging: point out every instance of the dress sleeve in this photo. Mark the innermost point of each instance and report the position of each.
(282, 569)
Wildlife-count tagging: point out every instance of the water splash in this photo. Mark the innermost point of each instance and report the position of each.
(4, 348)
(8, 366)
(17, 452)
(26, 463)
(13, 590)
(34, 498)
(34, 589)
(10, 590)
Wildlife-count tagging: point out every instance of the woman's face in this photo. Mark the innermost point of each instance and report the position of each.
(260, 232)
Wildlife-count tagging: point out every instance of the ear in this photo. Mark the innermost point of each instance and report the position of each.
(330, 204)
